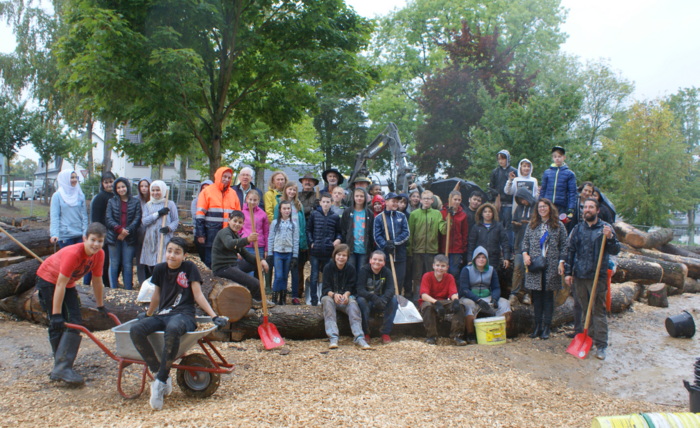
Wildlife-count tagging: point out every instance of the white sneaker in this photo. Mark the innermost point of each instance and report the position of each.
(362, 343)
(334, 343)
(157, 390)
(168, 387)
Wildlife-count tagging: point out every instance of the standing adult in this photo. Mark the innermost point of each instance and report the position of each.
(545, 238)
(584, 248)
(245, 185)
(201, 249)
(68, 211)
(98, 213)
(308, 197)
(214, 205)
(123, 221)
(144, 195)
(152, 217)
(333, 179)
(274, 191)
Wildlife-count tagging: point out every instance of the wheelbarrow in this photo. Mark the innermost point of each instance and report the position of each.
(198, 375)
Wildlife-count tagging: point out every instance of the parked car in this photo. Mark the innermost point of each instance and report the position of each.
(22, 189)
(39, 188)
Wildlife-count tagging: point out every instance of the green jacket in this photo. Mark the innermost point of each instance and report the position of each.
(424, 226)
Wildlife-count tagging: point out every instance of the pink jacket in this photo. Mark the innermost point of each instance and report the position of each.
(262, 225)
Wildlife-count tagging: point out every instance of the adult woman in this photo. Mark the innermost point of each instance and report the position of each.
(278, 180)
(144, 195)
(69, 219)
(357, 228)
(290, 193)
(123, 220)
(152, 219)
(338, 283)
(545, 237)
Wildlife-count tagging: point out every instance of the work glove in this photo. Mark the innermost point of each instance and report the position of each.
(377, 302)
(570, 213)
(455, 306)
(220, 321)
(164, 230)
(142, 316)
(439, 309)
(58, 324)
(102, 310)
(485, 306)
(390, 247)
(451, 211)
(294, 263)
(163, 211)
(494, 302)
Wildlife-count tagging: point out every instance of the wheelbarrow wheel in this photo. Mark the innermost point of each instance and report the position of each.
(195, 383)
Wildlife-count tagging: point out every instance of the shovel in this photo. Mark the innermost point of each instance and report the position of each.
(582, 342)
(406, 312)
(267, 331)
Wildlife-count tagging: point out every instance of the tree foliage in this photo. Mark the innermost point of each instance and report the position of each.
(15, 127)
(24, 169)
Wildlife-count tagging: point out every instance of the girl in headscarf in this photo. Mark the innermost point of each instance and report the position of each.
(69, 219)
(143, 196)
(123, 220)
(152, 219)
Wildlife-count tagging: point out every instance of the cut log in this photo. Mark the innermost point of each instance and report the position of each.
(18, 278)
(231, 300)
(36, 240)
(692, 264)
(639, 239)
(691, 286)
(678, 251)
(657, 295)
(6, 261)
(645, 270)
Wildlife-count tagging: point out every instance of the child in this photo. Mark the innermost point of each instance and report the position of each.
(378, 204)
(123, 220)
(438, 295)
(178, 288)
(283, 245)
(323, 234)
(413, 201)
(356, 226)
(504, 201)
(459, 232)
(525, 206)
(523, 178)
(375, 291)
(397, 244)
(338, 196)
(375, 189)
(338, 288)
(489, 233)
(262, 224)
(56, 279)
(289, 193)
(559, 184)
(403, 203)
(425, 225)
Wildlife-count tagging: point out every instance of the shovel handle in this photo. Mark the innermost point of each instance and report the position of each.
(159, 257)
(591, 300)
(22, 246)
(258, 263)
(391, 258)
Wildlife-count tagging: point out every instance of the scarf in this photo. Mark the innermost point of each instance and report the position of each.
(163, 189)
(70, 195)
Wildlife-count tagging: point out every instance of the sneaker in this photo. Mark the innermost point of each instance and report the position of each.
(431, 341)
(334, 343)
(527, 300)
(296, 301)
(168, 387)
(360, 341)
(157, 392)
(257, 304)
(471, 339)
(386, 339)
(600, 353)
(513, 300)
(460, 342)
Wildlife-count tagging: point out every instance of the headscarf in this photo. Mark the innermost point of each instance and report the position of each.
(70, 195)
(164, 191)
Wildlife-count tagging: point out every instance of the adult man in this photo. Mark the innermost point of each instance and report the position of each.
(397, 224)
(375, 290)
(214, 205)
(333, 179)
(425, 225)
(246, 185)
(584, 248)
(504, 201)
(585, 192)
(308, 196)
(438, 295)
(98, 213)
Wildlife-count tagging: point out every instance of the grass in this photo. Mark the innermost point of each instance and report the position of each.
(23, 209)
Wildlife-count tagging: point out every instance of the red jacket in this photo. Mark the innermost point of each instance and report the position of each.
(459, 232)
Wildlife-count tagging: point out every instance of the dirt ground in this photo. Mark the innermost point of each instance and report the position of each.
(406, 383)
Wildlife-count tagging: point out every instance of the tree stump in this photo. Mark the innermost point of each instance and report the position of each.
(18, 278)
(231, 300)
(657, 295)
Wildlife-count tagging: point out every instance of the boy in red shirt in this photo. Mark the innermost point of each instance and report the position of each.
(59, 298)
(438, 295)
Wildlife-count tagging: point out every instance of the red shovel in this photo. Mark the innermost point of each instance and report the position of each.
(582, 342)
(267, 331)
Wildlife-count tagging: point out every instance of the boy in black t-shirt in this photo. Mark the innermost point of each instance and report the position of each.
(178, 287)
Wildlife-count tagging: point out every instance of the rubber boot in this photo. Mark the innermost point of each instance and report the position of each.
(538, 330)
(471, 332)
(283, 297)
(55, 340)
(64, 359)
(545, 332)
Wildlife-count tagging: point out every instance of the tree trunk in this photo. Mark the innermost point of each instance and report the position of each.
(110, 128)
(182, 188)
(90, 155)
(645, 270)
(657, 295)
(157, 172)
(36, 240)
(678, 251)
(691, 226)
(692, 264)
(18, 278)
(46, 181)
(215, 155)
(638, 239)
(231, 300)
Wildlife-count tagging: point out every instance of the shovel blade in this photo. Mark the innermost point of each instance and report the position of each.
(406, 312)
(269, 335)
(581, 345)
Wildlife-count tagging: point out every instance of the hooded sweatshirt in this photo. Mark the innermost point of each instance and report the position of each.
(476, 284)
(378, 198)
(499, 178)
(522, 213)
(98, 205)
(123, 215)
(492, 237)
(214, 205)
(262, 225)
(522, 180)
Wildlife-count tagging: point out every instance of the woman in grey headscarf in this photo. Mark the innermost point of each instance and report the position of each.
(152, 219)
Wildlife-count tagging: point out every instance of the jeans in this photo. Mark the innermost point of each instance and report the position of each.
(207, 256)
(121, 255)
(317, 263)
(330, 316)
(427, 311)
(282, 266)
(473, 308)
(70, 308)
(368, 307)
(174, 326)
(455, 266)
(239, 273)
(69, 241)
(506, 216)
(357, 261)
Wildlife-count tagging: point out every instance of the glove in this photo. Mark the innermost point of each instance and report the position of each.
(484, 306)
(439, 309)
(164, 230)
(455, 306)
(294, 263)
(220, 321)
(142, 316)
(58, 323)
(389, 248)
(570, 213)
(102, 310)
(451, 211)
(494, 302)
(377, 302)
(163, 211)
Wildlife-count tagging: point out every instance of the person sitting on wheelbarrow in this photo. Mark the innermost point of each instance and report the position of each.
(59, 297)
(178, 287)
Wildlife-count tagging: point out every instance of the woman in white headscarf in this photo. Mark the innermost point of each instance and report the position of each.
(69, 218)
(152, 220)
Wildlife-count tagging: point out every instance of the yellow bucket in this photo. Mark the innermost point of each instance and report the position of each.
(626, 421)
(490, 331)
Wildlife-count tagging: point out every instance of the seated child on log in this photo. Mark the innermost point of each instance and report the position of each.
(376, 294)
(178, 288)
(438, 295)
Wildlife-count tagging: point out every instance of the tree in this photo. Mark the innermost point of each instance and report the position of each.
(15, 125)
(146, 63)
(77, 151)
(49, 143)
(653, 165)
(24, 169)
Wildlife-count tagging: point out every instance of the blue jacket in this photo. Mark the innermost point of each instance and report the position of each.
(321, 231)
(559, 186)
(67, 221)
(398, 232)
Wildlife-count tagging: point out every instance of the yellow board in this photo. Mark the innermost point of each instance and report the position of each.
(490, 331)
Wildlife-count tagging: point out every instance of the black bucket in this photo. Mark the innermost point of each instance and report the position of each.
(694, 396)
(681, 325)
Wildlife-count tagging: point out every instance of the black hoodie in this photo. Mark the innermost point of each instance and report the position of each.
(98, 206)
(522, 213)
